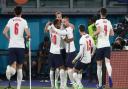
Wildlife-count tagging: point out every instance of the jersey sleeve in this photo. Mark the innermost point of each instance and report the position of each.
(25, 24)
(110, 25)
(9, 23)
(81, 42)
(97, 23)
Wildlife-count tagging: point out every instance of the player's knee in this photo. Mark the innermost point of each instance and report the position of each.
(75, 70)
(99, 63)
(13, 65)
(107, 60)
(19, 66)
(62, 67)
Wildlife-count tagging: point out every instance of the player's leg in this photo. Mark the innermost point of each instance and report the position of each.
(11, 68)
(77, 75)
(19, 76)
(57, 73)
(99, 73)
(20, 61)
(108, 65)
(62, 78)
(70, 57)
(52, 77)
(51, 64)
(59, 64)
(63, 53)
(99, 58)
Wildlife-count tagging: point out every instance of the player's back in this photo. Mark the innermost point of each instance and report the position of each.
(17, 26)
(88, 43)
(103, 37)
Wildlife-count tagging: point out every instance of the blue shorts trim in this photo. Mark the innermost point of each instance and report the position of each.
(16, 54)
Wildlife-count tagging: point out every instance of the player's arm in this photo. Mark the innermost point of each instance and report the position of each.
(26, 29)
(72, 26)
(111, 29)
(61, 32)
(5, 32)
(79, 54)
(27, 33)
(46, 29)
(93, 47)
(97, 24)
(97, 31)
(111, 32)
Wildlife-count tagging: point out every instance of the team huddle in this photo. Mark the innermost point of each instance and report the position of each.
(63, 60)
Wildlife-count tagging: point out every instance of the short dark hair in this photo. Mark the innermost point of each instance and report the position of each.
(56, 21)
(18, 10)
(82, 28)
(103, 11)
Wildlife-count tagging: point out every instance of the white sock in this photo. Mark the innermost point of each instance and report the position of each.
(65, 78)
(70, 74)
(99, 74)
(52, 78)
(77, 79)
(108, 66)
(13, 71)
(62, 78)
(57, 72)
(80, 76)
(19, 78)
(10, 71)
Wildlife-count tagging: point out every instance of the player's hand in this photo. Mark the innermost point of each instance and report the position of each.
(74, 61)
(27, 37)
(49, 23)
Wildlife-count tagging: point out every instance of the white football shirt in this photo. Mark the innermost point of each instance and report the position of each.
(103, 36)
(86, 44)
(55, 41)
(70, 47)
(17, 26)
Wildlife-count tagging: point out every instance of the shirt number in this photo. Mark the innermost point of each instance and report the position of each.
(53, 39)
(105, 29)
(88, 45)
(16, 28)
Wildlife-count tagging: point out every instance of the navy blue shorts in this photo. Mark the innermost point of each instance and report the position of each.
(63, 53)
(55, 60)
(101, 53)
(16, 54)
(79, 65)
(69, 59)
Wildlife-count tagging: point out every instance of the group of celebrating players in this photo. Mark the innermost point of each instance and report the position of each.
(63, 60)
